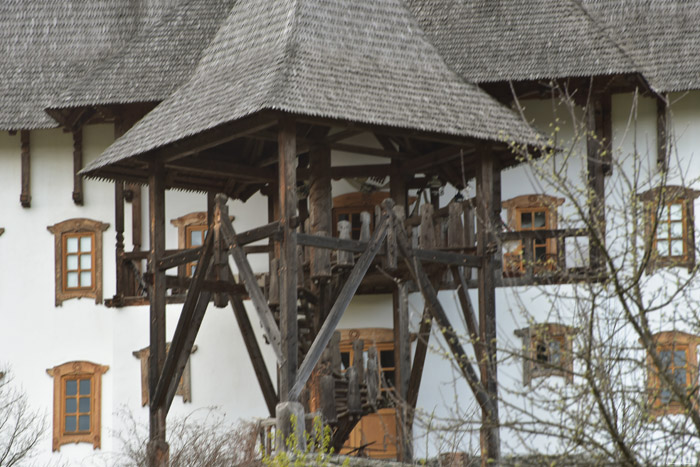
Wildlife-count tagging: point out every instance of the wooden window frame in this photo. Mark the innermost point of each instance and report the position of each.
(77, 370)
(186, 224)
(545, 333)
(383, 339)
(663, 197)
(513, 260)
(184, 387)
(672, 341)
(77, 228)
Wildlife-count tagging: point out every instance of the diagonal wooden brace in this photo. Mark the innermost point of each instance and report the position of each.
(188, 325)
(248, 278)
(347, 292)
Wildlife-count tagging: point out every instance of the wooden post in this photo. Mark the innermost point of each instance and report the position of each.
(321, 220)
(288, 255)
(596, 180)
(397, 186)
(25, 197)
(662, 139)
(490, 442)
(119, 229)
(402, 372)
(157, 446)
(77, 166)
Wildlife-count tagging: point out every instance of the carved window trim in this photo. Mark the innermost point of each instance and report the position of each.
(77, 370)
(672, 341)
(537, 342)
(515, 208)
(184, 387)
(667, 196)
(77, 227)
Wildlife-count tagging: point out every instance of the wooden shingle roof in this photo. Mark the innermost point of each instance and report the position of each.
(361, 61)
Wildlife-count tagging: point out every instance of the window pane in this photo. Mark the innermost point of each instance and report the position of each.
(676, 229)
(72, 280)
(540, 253)
(71, 406)
(676, 212)
(72, 262)
(663, 248)
(526, 220)
(665, 357)
(86, 244)
(71, 387)
(554, 352)
(345, 360)
(541, 350)
(70, 423)
(662, 229)
(665, 396)
(679, 358)
(85, 261)
(195, 238)
(386, 358)
(540, 219)
(86, 279)
(72, 245)
(85, 405)
(679, 377)
(84, 422)
(84, 387)
(677, 248)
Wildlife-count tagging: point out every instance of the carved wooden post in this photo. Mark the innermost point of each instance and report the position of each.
(320, 216)
(345, 258)
(490, 441)
(157, 446)
(287, 147)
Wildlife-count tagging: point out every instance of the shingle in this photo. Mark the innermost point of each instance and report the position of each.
(362, 61)
(663, 37)
(502, 40)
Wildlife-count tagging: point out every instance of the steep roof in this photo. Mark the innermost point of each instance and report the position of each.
(361, 61)
(503, 40)
(154, 63)
(663, 37)
(46, 44)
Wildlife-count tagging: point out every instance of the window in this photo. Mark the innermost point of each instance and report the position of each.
(528, 213)
(547, 351)
(77, 401)
(669, 218)
(184, 388)
(376, 431)
(678, 354)
(78, 259)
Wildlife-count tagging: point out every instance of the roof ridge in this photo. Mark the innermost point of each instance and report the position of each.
(604, 29)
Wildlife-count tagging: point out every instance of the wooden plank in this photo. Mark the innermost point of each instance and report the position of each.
(287, 147)
(119, 231)
(248, 278)
(444, 257)
(330, 415)
(468, 312)
(181, 257)
(213, 286)
(402, 362)
(272, 230)
(156, 190)
(77, 166)
(354, 399)
(256, 358)
(25, 197)
(358, 349)
(341, 303)
(419, 359)
(188, 325)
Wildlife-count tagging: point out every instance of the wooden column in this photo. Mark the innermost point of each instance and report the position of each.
(157, 446)
(490, 442)
(288, 255)
(596, 179)
(662, 139)
(77, 166)
(321, 218)
(25, 197)
(119, 129)
(397, 185)
(402, 372)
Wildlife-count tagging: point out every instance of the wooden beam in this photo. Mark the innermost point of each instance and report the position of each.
(402, 362)
(596, 181)
(357, 149)
(25, 197)
(486, 227)
(662, 136)
(191, 316)
(287, 182)
(256, 357)
(437, 157)
(341, 303)
(349, 171)
(248, 278)
(157, 412)
(230, 170)
(213, 137)
(468, 312)
(419, 359)
(77, 166)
